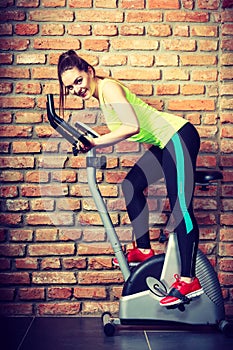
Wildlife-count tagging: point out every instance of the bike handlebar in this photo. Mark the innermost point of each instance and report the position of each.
(67, 131)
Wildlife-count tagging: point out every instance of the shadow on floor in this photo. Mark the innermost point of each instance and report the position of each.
(86, 333)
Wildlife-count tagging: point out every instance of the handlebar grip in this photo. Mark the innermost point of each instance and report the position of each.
(66, 130)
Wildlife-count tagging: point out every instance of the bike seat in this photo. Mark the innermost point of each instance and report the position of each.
(205, 177)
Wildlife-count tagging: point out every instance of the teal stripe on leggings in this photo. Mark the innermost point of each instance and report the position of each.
(181, 181)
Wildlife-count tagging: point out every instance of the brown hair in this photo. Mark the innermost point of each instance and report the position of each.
(69, 60)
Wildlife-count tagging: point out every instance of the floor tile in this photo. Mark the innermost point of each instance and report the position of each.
(69, 333)
(78, 333)
(189, 340)
(13, 330)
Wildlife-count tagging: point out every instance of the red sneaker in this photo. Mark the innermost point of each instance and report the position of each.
(181, 291)
(135, 257)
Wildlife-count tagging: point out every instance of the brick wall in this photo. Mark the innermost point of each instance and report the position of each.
(175, 54)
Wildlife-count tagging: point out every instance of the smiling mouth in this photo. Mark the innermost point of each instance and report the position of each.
(82, 92)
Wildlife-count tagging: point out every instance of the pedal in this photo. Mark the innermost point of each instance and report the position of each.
(156, 287)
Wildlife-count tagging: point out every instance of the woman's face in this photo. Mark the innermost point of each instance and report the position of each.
(79, 83)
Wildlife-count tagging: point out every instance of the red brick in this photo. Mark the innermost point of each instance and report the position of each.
(93, 308)
(46, 234)
(181, 30)
(227, 29)
(17, 205)
(5, 264)
(96, 45)
(179, 44)
(99, 277)
(49, 219)
(135, 44)
(79, 29)
(28, 88)
(226, 265)
(7, 294)
(26, 147)
(160, 30)
(209, 5)
(167, 89)
(14, 44)
(26, 264)
(12, 15)
(70, 308)
(137, 74)
(51, 249)
(51, 162)
(14, 72)
(12, 250)
(50, 264)
(199, 60)
(164, 4)
(56, 44)
(82, 3)
(17, 102)
(52, 3)
(6, 58)
(135, 4)
(208, 45)
(192, 105)
(24, 3)
(74, 263)
(143, 16)
(31, 294)
(53, 277)
(226, 74)
(226, 59)
(186, 16)
(11, 219)
(227, 44)
(13, 309)
(226, 234)
(6, 88)
(9, 191)
(100, 263)
(59, 293)
(11, 176)
(14, 278)
(26, 29)
(90, 293)
(226, 219)
(131, 30)
(37, 176)
(95, 249)
(70, 234)
(99, 16)
(6, 29)
(51, 16)
(17, 162)
(225, 278)
(28, 117)
(103, 29)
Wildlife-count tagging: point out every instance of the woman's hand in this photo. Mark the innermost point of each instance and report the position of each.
(86, 148)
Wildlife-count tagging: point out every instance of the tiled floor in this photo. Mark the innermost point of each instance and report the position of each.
(70, 333)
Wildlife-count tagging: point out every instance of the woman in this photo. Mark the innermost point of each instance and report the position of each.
(174, 145)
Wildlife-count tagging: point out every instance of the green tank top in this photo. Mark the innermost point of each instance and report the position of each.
(156, 128)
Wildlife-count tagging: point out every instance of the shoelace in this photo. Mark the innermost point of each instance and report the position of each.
(178, 282)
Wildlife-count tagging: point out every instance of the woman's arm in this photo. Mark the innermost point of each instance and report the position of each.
(114, 95)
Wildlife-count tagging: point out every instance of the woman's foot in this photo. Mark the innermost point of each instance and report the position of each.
(181, 291)
(136, 255)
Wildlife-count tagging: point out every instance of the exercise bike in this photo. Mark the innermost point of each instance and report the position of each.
(148, 282)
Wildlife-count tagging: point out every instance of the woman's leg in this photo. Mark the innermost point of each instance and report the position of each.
(145, 172)
(179, 165)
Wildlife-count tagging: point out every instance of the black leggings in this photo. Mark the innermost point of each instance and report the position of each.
(177, 164)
